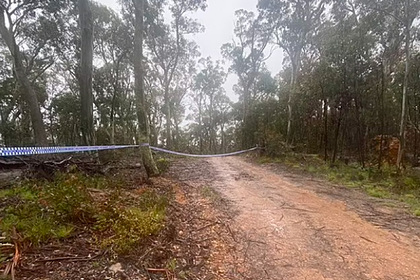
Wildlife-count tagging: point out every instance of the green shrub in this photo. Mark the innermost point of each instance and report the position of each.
(68, 199)
(378, 192)
(43, 211)
(127, 227)
(411, 183)
(132, 226)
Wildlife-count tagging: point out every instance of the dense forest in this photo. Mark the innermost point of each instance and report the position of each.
(78, 73)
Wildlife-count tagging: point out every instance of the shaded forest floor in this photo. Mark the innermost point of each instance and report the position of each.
(224, 218)
(190, 243)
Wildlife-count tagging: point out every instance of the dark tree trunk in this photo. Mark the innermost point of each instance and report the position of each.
(337, 133)
(382, 110)
(325, 129)
(168, 117)
(28, 93)
(296, 62)
(200, 122)
(405, 87)
(85, 73)
(144, 129)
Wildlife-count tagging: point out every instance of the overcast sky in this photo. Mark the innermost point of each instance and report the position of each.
(218, 20)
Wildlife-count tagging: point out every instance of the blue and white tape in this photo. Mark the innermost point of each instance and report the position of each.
(202, 156)
(27, 151)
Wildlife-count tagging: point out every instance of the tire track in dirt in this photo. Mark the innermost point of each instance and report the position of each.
(292, 233)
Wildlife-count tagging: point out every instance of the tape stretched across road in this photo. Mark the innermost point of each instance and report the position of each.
(202, 156)
(27, 151)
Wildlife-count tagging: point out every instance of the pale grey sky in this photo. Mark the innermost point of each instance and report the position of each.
(218, 20)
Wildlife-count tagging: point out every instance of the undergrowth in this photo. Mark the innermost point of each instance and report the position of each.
(43, 211)
(124, 227)
(386, 183)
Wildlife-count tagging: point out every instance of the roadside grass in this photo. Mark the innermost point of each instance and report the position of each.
(386, 183)
(44, 211)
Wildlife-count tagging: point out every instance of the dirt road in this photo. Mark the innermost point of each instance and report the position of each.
(292, 232)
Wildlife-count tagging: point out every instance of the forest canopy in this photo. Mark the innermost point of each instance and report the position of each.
(77, 72)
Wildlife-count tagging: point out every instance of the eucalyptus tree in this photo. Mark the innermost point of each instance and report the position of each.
(86, 71)
(65, 118)
(182, 86)
(143, 123)
(209, 93)
(9, 104)
(16, 17)
(246, 54)
(405, 13)
(112, 48)
(293, 23)
(155, 103)
(169, 46)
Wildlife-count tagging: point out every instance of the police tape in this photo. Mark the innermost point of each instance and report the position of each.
(203, 156)
(27, 151)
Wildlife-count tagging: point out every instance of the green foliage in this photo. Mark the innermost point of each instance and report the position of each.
(131, 226)
(68, 199)
(34, 224)
(5, 193)
(411, 182)
(42, 211)
(127, 227)
(47, 210)
(378, 192)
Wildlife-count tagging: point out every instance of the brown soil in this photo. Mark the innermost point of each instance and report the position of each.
(196, 243)
(233, 219)
(289, 226)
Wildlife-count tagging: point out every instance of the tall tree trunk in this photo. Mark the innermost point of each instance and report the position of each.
(246, 142)
(85, 73)
(325, 129)
(222, 144)
(175, 132)
(200, 122)
(116, 89)
(168, 117)
(382, 102)
(28, 93)
(337, 133)
(112, 116)
(289, 106)
(144, 129)
(295, 59)
(213, 145)
(401, 150)
(416, 134)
